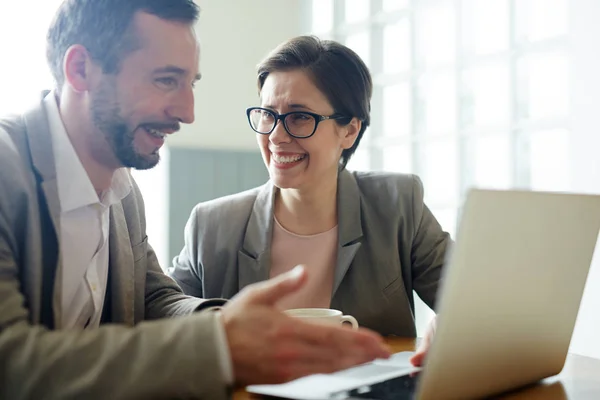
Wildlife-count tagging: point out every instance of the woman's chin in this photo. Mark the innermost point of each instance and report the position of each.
(284, 182)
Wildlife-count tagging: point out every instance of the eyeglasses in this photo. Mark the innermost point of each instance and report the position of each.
(298, 124)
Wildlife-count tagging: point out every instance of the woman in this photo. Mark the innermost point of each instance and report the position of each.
(367, 239)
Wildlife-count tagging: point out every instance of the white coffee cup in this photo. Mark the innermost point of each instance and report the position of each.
(322, 316)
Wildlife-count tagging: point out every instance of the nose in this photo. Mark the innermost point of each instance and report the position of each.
(182, 107)
(279, 134)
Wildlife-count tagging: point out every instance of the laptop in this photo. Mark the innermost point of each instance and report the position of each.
(507, 307)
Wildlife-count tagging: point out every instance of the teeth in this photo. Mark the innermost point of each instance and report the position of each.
(287, 159)
(157, 134)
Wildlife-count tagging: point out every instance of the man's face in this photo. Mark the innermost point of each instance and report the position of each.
(151, 94)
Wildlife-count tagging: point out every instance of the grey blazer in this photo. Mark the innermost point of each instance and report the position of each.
(389, 245)
(167, 358)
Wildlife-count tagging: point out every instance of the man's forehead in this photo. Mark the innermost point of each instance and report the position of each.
(153, 30)
(170, 45)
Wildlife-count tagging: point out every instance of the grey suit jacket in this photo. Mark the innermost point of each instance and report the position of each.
(162, 358)
(389, 244)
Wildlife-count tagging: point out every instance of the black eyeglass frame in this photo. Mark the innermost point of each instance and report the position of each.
(281, 117)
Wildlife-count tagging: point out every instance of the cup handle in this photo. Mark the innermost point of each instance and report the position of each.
(351, 320)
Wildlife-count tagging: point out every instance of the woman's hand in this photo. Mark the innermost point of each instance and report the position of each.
(418, 359)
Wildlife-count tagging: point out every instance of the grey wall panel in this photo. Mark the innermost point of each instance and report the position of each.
(199, 175)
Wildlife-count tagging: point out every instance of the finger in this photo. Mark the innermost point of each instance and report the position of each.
(362, 342)
(271, 291)
(373, 343)
(291, 357)
(297, 358)
(418, 358)
(309, 368)
(313, 359)
(425, 343)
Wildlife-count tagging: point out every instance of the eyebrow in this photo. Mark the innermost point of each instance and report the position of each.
(292, 106)
(171, 69)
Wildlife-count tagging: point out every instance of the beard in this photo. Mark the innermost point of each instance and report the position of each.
(119, 133)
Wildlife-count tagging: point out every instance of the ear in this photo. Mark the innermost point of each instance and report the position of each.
(351, 133)
(79, 69)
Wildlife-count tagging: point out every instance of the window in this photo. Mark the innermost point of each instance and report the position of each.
(486, 27)
(396, 47)
(360, 42)
(397, 110)
(322, 17)
(467, 93)
(435, 26)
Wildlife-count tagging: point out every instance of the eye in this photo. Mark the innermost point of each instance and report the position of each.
(168, 82)
(300, 117)
(266, 116)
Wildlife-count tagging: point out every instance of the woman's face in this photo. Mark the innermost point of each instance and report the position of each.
(295, 163)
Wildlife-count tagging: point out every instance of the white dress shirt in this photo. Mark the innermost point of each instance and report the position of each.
(84, 228)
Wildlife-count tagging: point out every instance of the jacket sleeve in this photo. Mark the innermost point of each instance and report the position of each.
(186, 270)
(428, 250)
(166, 358)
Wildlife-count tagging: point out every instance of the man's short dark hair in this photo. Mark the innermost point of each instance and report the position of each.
(103, 27)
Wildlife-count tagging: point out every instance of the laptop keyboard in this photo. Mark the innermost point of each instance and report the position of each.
(400, 388)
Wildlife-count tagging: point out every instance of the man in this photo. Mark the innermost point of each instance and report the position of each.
(83, 300)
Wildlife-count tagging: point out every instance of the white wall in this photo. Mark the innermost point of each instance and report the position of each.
(24, 73)
(154, 185)
(235, 36)
(585, 152)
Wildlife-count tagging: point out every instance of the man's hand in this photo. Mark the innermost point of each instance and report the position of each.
(419, 358)
(267, 346)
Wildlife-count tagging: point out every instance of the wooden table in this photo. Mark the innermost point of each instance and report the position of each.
(579, 380)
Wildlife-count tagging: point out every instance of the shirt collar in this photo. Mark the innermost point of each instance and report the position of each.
(119, 188)
(75, 190)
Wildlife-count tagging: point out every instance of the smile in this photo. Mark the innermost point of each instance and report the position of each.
(156, 133)
(287, 159)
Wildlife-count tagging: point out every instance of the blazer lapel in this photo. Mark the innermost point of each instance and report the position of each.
(349, 226)
(121, 267)
(255, 256)
(39, 141)
(42, 157)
